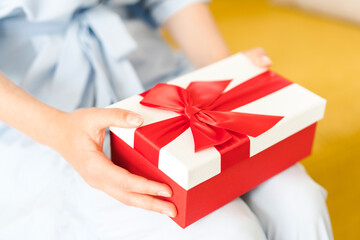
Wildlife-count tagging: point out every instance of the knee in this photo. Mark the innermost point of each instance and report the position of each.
(304, 202)
(291, 204)
(302, 211)
(291, 196)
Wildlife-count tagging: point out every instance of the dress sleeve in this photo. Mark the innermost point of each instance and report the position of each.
(162, 10)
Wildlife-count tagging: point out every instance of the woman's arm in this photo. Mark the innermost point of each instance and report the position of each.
(79, 137)
(23, 112)
(196, 32)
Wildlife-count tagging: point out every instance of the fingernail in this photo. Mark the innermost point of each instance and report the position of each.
(168, 213)
(266, 60)
(134, 119)
(164, 194)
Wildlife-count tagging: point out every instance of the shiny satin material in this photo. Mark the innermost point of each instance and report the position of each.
(199, 109)
(206, 109)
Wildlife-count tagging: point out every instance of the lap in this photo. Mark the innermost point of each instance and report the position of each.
(117, 221)
(37, 192)
(41, 189)
(47, 199)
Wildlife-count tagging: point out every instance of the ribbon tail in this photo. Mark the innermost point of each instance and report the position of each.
(206, 136)
(245, 123)
(149, 139)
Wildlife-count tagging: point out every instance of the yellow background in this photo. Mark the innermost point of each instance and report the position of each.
(323, 55)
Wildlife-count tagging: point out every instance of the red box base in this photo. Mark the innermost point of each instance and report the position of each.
(224, 187)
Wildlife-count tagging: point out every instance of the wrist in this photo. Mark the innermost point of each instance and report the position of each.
(212, 57)
(22, 111)
(57, 130)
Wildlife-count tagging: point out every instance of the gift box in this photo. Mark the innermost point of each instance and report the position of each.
(216, 133)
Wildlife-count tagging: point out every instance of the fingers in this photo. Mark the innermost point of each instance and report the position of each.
(139, 192)
(115, 117)
(128, 188)
(126, 181)
(146, 202)
(137, 184)
(258, 57)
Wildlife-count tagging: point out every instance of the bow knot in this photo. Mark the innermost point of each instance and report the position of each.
(190, 111)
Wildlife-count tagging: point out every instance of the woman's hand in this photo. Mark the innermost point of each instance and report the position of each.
(258, 57)
(79, 138)
(81, 144)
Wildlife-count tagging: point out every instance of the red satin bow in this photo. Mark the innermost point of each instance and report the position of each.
(205, 107)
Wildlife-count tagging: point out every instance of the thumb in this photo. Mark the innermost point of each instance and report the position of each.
(115, 117)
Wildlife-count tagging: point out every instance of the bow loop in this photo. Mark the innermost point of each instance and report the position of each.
(203, 94)
(166, 97)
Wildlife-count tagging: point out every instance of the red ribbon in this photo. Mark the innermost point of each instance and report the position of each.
(206, 109)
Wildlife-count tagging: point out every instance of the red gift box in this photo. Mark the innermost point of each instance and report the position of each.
(212, 140)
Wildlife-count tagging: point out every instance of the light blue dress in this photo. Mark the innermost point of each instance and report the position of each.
(73, 54)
